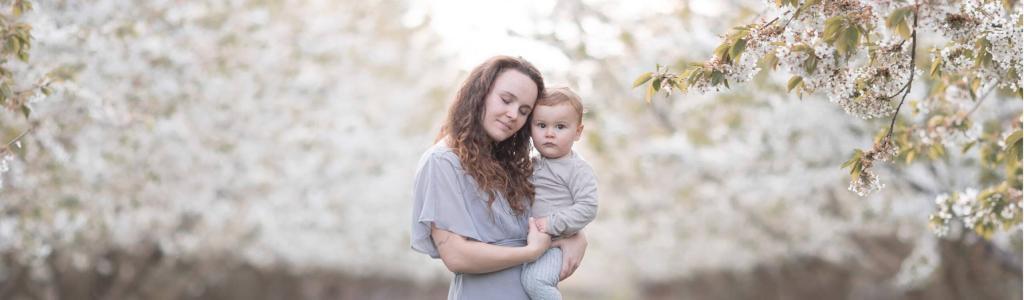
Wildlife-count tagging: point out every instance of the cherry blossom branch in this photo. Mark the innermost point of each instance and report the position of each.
(906, 88)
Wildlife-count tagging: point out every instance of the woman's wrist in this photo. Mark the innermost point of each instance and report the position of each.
(534, 251)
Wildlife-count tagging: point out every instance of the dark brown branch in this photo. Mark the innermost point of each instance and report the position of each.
(906, 88)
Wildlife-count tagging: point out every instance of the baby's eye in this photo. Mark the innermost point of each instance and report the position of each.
(541, 125)
(560, 126)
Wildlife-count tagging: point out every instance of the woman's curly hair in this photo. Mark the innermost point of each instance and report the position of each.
(497, 167)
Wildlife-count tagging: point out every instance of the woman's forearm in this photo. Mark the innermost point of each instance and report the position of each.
(465, 256)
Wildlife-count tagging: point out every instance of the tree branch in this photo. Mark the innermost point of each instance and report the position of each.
(16, 138)
(981, 99)
(906, 88)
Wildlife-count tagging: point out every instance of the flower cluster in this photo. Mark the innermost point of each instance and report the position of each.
(876, 85)
(982, 211)
(867, 181)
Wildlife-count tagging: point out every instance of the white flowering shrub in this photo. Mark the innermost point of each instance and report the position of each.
(865, 56)
(263, 131)
(17, 89)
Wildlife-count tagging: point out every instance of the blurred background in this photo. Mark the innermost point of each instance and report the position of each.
(265, 149)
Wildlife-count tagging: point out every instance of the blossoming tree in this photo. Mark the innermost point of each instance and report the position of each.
(18, 89)
(866, 57)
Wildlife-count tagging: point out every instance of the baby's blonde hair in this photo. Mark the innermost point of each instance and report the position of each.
(559, 95)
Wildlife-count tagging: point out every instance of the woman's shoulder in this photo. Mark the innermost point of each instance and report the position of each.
(440, 152)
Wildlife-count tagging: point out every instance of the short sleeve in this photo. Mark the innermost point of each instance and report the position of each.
(438, 199)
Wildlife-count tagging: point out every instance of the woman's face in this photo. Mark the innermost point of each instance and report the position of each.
(508, 104)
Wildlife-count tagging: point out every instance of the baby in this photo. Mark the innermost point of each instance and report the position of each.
(566, 187)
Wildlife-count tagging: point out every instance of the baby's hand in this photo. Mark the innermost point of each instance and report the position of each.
(542, 224)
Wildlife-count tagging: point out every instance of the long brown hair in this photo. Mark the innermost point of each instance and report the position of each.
(497, 167)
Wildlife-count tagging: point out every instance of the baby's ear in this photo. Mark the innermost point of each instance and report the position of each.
(579, 132)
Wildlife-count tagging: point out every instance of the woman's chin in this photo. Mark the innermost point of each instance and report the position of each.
(498, 137)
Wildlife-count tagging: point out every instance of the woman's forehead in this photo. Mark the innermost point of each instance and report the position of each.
(517, 84)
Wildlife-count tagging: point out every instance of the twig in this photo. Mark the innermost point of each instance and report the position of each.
(913, 58)
(16, 139)
(980, 100)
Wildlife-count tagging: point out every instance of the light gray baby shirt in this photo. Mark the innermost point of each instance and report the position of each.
(566, 193)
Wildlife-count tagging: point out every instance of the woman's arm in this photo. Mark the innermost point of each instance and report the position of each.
(573, 248)
(462, 255)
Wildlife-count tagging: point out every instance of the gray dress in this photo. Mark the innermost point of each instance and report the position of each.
(445, 195)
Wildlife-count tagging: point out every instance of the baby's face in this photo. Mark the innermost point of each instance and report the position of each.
(554, 130)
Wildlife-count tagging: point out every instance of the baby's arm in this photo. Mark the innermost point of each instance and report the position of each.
(570, 220)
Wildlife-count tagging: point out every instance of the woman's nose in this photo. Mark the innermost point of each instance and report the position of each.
(512, 114)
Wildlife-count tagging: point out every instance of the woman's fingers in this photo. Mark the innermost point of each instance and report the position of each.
(568, 267)
(566, 271)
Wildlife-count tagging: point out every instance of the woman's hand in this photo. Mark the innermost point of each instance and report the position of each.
(536, 240)
(573, 248)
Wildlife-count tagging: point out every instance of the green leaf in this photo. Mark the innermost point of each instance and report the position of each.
(1013, 138)
(833, 26)
(903, 29)
(811, 63)
(803, 47)
(896, 16)
(679, 84)
(5, 90)
(649, 94)
(25, 110)
(695, 75)
(643, 78)
(982, 56)
(770, 61)
(897, 21)
(936, 64)
(793, 82)
(1013, 145)
(855, 170)
(936, 151)
(857, 153)
(716, 77)
(722, 52)
(657, 83)
(14, 44)
(852, 39)
(967, 147)
(737, 49)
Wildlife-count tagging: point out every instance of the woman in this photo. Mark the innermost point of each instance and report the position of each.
(472, 189)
